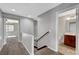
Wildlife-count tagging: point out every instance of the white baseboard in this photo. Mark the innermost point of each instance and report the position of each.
(53, 49)
(0, 49)
(4, 43)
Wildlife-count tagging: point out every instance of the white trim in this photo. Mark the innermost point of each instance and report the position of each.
(2, 46)
(11, 36)
(53, 49)
(19, 30)
(25, 47)
(57, 41)
(4, 43)
(32, 45)
(0, 49)
(77, 38)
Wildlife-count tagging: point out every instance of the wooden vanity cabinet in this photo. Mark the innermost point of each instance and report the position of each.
(70, 40)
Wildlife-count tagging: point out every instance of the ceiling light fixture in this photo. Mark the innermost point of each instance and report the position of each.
(13, 9)
(68, 18)
(29, 16)
(11, 21)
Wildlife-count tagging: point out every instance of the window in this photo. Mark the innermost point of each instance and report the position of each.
(9, 28)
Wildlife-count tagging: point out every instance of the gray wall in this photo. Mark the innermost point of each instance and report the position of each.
(26, 26)
(48, 22)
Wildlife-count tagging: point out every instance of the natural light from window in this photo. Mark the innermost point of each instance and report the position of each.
(9, 28)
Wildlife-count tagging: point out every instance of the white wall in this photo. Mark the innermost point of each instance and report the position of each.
(26, 26)
(61, 29)
(46, 23)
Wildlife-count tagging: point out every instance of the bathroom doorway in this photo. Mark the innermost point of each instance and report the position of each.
(66, 32)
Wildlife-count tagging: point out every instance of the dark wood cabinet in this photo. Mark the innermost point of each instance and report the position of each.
(70, 40)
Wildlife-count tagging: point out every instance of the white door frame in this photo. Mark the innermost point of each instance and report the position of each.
(19, 31)
(57, 22)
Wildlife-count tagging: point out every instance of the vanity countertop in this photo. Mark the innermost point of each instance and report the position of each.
(70, 34)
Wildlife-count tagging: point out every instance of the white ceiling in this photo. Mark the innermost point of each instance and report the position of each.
(27, 9)
(68, 13)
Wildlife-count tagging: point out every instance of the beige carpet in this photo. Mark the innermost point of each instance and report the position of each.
(66, 50)
(13, 47)
(46, 51)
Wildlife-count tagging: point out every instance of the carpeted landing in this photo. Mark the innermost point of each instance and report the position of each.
(46, 51)
(13, 47)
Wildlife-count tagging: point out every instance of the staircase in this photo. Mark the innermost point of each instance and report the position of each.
(37, 40)
(44, 50)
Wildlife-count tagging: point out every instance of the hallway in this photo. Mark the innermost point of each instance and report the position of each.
(13, 47)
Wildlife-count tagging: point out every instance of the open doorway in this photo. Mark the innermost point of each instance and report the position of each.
(11, 28)
(67, 32)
